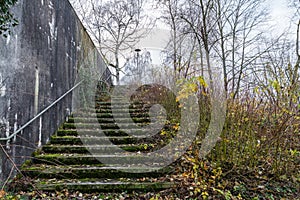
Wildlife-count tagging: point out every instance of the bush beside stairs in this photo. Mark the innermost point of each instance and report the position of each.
(66, 161)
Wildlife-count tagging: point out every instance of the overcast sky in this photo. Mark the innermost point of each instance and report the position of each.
(280, 20)
(280, 12)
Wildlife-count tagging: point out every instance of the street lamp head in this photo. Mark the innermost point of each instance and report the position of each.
(137, 50)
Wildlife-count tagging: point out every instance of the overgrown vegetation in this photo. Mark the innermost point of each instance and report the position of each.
(257, 155)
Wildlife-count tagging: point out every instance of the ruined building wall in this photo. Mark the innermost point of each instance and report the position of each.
(39, 62)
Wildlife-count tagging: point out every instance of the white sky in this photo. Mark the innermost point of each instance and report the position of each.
(280, 20)
(280, 13)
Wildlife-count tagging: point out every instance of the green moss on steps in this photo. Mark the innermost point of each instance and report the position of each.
(86, 171)
(82, 149)
(86, 159)
(65, 163)
(101, 186)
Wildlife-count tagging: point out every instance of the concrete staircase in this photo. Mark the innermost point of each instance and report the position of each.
(91, 153)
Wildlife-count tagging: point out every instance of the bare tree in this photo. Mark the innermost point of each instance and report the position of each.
(279, 66)
(200, 19)
(297, 16)
(116, 26)
(181, 51)
(228, 31)
(240, 31)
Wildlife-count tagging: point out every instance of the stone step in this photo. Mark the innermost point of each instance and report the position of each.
(117, 109)
(120, 110)
(103, 185)
(109, 105)
(102, 126)
(105, 132)
(109, 115)
(82, 149)
(109, 110)
(107, 120)
(120, 103)
(88, 171)
(87, 159)
(97, 150)
(73, 140)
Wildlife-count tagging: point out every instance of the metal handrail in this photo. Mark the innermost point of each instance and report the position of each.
(42, 112)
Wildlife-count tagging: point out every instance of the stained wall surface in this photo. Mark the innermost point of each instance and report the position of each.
(39, 62)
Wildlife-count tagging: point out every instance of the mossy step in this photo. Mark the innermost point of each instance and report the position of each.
(107, 120)
(81, 149)
(108, 105)
(120, 103)
(110, 115)
(89, 186)
(98, 140)
(88, 171)
(72, 159)
(101, 125)
(115, 110)
(105, 132)
(130, 110)
(73, 140)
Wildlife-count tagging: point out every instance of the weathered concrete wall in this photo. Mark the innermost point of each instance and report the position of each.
(39, 63)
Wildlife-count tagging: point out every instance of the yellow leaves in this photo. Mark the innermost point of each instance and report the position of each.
(246, 119)
(190, 87)
(204, 195)
(285, 110)
(275, 85)
(217, 172)
(156, 197)
(163, 132)
(2, 193)
(256, 90)
(145, 146)
(187, 90)
(197, 190)
(186, 174)
(294, 152)
(196, 167)
(194, 87)
(226, 140)
(192, 160)
(202, 81)
(176, 126)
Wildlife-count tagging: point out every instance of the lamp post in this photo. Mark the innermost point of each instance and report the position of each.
(137, 63)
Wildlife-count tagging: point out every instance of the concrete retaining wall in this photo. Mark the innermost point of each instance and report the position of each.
(39, 62)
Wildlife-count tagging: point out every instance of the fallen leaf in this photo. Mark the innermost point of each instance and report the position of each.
(2, 193)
